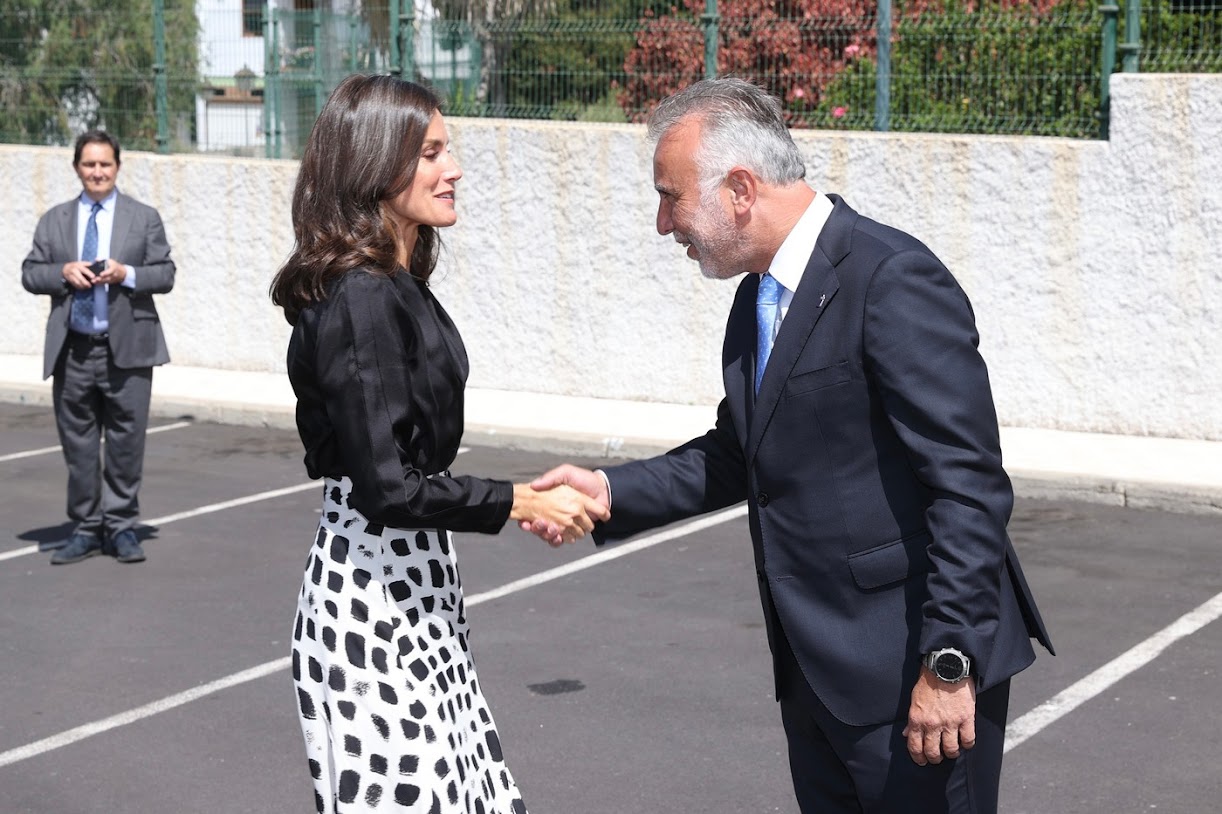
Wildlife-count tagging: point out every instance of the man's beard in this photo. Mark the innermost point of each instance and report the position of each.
(715, 238)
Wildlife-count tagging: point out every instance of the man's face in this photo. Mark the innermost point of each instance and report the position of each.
(705, 226)
(97, 170)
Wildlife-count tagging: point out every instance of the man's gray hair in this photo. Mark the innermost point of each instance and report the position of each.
(741, 126)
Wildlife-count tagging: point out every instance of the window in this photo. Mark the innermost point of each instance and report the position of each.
(252, 17)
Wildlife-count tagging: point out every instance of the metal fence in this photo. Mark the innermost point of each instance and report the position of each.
(67, 66)
(249, 77)
(1178, 36)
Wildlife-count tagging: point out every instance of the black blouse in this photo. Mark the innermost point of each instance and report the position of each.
(379, 372)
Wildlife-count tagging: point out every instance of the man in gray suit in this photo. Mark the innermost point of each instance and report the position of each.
(100, 258)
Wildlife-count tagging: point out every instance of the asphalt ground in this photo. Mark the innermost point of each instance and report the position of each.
(637, 682)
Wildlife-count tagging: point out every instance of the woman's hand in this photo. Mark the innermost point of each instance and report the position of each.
(562, 508)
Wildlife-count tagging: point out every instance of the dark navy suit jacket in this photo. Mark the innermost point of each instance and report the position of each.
(871, 464)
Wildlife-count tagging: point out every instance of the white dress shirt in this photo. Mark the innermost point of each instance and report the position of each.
(789, 263)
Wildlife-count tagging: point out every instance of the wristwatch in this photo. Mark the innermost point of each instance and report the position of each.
(948, 664)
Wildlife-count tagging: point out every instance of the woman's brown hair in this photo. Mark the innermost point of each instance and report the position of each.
(362, 151)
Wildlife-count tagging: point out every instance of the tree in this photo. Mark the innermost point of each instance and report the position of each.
(70, 65)
(488, 19)
(1023, 66)
(792, 47)
(568, 65)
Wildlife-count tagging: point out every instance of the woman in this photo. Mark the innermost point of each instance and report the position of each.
(391, 709)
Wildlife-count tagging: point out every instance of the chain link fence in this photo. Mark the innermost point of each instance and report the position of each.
(1180, 36)
(68, 66)
(248, 77)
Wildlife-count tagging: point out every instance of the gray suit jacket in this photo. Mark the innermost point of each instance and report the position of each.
(137, 240)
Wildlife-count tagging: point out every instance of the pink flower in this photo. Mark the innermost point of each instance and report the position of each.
(798, 93)
(838, 112)
(852, 51)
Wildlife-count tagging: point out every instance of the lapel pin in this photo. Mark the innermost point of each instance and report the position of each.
(822, 299)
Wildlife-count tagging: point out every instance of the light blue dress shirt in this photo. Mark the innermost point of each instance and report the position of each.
(105, 223)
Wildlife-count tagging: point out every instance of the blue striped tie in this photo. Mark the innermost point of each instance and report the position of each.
(82, 299)
(767, 304)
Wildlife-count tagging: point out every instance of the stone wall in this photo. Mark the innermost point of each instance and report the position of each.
(1092, 265)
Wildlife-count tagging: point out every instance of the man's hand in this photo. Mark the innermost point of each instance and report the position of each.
(113, 274)
(585, 481)
(942, 718)
(567, 513)
(78, 275)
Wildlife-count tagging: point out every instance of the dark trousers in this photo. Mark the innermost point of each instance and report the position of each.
(838, 768)
(93, 398)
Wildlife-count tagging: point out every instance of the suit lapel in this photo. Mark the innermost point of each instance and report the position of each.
(67, 227)
(738, 356)
(814, 295)
(119, 227)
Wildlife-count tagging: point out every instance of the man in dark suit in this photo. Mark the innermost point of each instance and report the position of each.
(859, 426)
(100, 258)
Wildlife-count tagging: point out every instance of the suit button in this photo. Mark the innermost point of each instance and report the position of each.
(761, 499)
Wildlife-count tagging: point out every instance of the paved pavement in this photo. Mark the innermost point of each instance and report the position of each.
(1139, 472)
(631, 680)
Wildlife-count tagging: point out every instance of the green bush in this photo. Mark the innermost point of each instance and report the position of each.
(562, 66)
(988, 69)
(1181, 36)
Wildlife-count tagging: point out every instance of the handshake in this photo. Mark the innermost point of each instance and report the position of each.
(562, 505)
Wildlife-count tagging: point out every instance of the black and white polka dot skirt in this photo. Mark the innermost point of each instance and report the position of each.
(391, 709)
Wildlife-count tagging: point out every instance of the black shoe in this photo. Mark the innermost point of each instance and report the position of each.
(126, 548)
(52, 545)
(78, 547)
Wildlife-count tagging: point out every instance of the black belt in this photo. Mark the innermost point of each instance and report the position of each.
(90, 339)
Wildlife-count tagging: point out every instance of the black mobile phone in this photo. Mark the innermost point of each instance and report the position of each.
(97, 266)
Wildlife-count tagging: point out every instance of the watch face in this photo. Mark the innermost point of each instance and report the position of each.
(948, 667)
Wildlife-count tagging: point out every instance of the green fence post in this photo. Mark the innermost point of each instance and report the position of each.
(407, 47)
(269, 81)
(159, 78)
(392, 28)
(882, 81)
(1131, 47)
(710, 20)
(1107, 64)
(277, 87)
(320, 88)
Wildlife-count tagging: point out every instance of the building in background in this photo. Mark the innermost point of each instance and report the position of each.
(229, 114)
(267, 66)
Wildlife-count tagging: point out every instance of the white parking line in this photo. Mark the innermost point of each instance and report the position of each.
(209, 509)
(30, 453)
(237, 501)
(1018, 732)
(609, 554)
(131, 716)
(1079, 693)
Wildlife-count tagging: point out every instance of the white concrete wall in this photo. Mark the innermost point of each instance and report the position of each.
(1092, 265)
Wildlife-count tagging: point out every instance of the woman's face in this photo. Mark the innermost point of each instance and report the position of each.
(429, 200)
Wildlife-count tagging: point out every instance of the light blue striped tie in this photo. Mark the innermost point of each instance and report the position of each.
(767, 304)
(81, 316)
